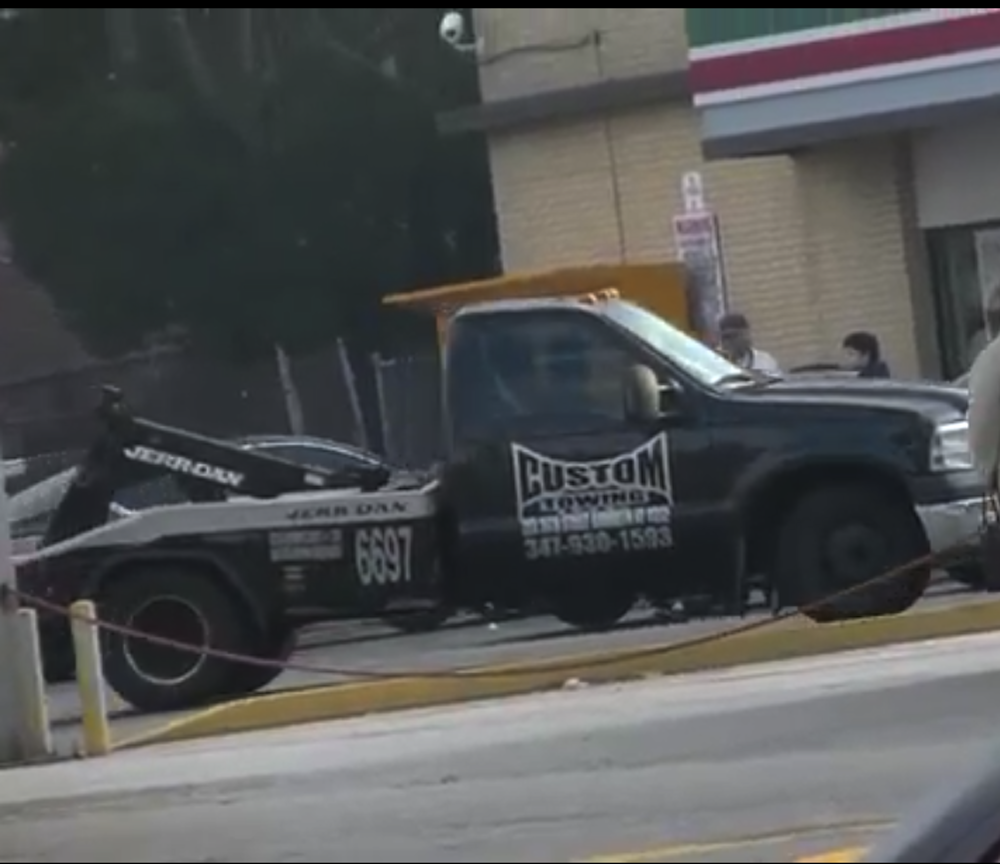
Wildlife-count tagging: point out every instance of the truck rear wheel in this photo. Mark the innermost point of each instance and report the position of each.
(593, 604)
(182, 605)
(842, 536)
(249, 678)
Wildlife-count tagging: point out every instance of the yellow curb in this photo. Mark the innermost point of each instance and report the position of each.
(785, 640)
(836, 856)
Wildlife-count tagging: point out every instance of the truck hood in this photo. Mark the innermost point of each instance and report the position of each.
(937, 400)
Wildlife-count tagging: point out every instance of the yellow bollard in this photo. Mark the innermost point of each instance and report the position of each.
(90, 679)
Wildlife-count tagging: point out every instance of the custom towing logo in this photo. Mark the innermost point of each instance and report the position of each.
(183, 465)
(582, 508)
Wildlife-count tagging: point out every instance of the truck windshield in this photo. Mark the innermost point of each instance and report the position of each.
(695, 358)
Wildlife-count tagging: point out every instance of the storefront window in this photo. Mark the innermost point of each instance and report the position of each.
(965, 268)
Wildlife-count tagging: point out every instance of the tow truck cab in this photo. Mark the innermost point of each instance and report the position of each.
(598, 454)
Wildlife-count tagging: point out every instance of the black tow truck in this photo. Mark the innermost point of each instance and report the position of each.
(597, 455)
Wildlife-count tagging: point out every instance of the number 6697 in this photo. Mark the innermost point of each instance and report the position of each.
(382, 555)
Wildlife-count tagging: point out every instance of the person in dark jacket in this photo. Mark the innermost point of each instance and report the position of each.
(863, 354)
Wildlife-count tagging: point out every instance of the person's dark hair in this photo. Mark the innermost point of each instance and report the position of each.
(864, 343)
(733, 321)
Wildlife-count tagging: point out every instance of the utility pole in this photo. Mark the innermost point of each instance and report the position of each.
(11, 710)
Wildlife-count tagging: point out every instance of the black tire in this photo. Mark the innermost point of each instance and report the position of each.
(593, 605)
(249, 678)
(179, 603)
(837, 537)
(412, 623)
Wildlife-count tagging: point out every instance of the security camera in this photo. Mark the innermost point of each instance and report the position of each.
(452, 27)
(454, 32)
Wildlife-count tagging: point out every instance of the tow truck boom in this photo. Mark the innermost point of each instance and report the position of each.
(133, 449)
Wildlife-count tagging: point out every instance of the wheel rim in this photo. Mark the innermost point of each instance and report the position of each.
(170, 618)
(855, 553)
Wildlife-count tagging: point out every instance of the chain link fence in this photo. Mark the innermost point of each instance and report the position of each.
(298, 394)
(409, 408)
(390, 404)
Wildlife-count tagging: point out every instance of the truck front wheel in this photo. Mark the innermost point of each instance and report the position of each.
(838, 537)
(183, 605)
(592, 604)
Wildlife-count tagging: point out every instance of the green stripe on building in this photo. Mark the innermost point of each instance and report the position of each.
(707, 27)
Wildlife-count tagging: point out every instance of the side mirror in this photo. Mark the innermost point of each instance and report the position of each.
(646, 398)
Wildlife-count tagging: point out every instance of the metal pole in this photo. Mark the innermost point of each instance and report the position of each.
(385, 422)
(351, 382)
(10, 691)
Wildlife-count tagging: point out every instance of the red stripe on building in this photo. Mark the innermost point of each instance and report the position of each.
(846, 53)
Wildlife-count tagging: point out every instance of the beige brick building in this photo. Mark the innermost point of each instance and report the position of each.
(590, 126)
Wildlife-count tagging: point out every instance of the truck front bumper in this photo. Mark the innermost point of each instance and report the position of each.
(949, 523)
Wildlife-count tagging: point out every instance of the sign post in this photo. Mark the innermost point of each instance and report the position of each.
(699, 247)
(693, 190)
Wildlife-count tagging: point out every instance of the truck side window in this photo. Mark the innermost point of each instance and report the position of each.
(472, 387)
(312, 455)
(542, 372)
(581, 368)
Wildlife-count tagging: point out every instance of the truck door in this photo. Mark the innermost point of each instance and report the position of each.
(552, 483)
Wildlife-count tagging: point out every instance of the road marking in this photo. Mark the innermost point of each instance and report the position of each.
(792, 835)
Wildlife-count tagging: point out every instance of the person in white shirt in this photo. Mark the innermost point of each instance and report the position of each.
(737, 344)
(984, 447)
(984, 413)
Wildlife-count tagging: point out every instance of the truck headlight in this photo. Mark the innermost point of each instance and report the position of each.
(950, 447)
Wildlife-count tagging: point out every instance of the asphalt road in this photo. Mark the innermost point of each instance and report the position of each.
(338, 651)
(758, 764)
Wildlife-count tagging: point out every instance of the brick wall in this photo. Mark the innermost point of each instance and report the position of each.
(814, 245)
(528, 50)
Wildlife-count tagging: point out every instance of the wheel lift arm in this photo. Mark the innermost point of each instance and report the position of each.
(132, 449)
